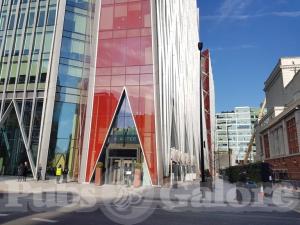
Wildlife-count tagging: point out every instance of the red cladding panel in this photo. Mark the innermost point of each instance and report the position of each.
(206, 93)
(124, 59)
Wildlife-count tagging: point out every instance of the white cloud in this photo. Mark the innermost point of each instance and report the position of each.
(287, 14)
(233, 48)
(237, 10)
(231, 8)
(291, 14)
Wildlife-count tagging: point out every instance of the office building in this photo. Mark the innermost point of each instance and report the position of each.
(233, 134)
(89, 83)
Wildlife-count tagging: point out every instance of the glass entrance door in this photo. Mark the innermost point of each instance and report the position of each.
(121, 171)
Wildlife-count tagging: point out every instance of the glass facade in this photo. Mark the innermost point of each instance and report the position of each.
(12, 148)
(26, 33)
(240, 125)
(56, 59)
(124, 60)
(123, 131)
(73, 73)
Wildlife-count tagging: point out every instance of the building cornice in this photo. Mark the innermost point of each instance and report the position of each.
(273, 121)
(277, 71)
(274, 74)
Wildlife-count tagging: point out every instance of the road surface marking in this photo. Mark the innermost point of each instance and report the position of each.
(44, 220)
(2, 215)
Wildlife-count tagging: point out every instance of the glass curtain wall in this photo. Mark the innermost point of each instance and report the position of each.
(71, 86)
(124, 60)
(26, 33)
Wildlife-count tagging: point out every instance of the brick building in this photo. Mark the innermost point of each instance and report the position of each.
(277, 134)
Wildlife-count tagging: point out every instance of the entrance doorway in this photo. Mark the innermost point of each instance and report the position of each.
(121, 171)
(120, 166)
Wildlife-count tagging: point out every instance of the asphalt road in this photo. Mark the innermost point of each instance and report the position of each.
(145, 212)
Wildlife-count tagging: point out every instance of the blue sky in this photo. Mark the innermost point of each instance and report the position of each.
(247, 38)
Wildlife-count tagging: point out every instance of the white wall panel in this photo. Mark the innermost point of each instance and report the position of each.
(178, 77)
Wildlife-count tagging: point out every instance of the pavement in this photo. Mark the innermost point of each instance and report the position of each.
(46, 202)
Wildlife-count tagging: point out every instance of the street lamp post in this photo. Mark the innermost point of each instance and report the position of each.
(229, 151)
(200, 47)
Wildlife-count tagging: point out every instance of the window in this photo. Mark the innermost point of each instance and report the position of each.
(13, 73)
(43, 77)
(21, 21)
(41, 21)
(12, 80)
(2, 22)
(23, 68)
(17, 44)
(75, 23)
(21, 79)
(37, 42)
(73, 49)
(266, 146)
(47, 42)
(292, 136)
(5, 2)
(83, 4)
(11, 22)
(8, 45)
(30, 19)
(32, 79)
(33, 70)
(70, 76)
(106, 21)
(43, 71)
(51, 17)
(4, 71)
(27, 44)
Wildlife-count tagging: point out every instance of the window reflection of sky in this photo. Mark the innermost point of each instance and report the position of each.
(124, 130)
(64, 120)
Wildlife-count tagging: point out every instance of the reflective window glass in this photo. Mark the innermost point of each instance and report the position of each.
(135, 15)
(4, 70)
(17, 45)
(2, 22)
(8, 44)
(41, 19)
(51, 17)
(11, 22)
(75, 22)
(30, 19)
(37, 42)
(73, 49)
(48, 42)
(133, 51)
(33, 68)
(106, 21)
(27, 47)
(43, 72)
(69, 76)
(21, 21)
(120, 16)
(23, 68)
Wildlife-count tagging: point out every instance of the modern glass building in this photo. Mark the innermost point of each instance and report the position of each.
(233, 132)
(89, 81)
